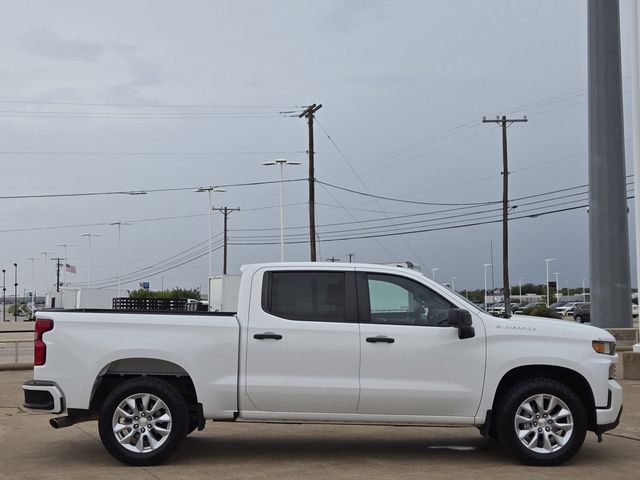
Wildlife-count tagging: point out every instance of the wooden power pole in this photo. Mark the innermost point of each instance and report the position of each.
(505, 122)
(308, 114)
(225, 211)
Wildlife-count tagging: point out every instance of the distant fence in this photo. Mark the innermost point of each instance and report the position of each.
(150, 304)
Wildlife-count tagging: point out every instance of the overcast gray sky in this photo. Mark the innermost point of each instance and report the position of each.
(145, 95)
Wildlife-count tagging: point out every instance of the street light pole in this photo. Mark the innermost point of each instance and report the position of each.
(209, 191)
(282, 162)
(584, 297)
(33, 281)
(433, 273)
(15, 294)
(520, 288)
(453, 283)
(486, 265)
(4, 295)
(558, 294)
(547, 260)
(89, 235)
(119, 224)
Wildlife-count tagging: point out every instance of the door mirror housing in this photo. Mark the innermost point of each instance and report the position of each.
(461, 319)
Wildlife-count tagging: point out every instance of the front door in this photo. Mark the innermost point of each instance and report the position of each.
(413, 363)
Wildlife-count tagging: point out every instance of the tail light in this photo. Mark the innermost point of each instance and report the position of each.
(39, 348)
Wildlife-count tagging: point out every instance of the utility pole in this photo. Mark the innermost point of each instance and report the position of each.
(225, 211)
(308, 114)
(4, 290)
(505, 122)
(58, 264)
(351, 255)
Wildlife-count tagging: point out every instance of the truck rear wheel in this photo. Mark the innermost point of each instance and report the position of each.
(143, 420)
(541, 421)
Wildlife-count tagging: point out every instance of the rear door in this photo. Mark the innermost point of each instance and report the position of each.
(412, 362)
(303, 342)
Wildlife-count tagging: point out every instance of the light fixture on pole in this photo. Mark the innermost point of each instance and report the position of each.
(282, 162)
(433, 273)
(209, 191)
(557, 274)
(119, 224)
(547, 260)
(89, 235)
(486, 265)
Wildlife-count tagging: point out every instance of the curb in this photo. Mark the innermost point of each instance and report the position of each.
(16, 366)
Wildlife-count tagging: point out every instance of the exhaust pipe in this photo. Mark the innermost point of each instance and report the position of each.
(61, 422)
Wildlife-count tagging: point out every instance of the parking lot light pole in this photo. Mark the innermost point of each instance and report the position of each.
(15, 294)
(282, 163)
(584, 297)
(520, 288)
(4, 294)
(433, 273)
(547, 260)
(558, 294)
(486, 265)
(453, 284)
(210, 190)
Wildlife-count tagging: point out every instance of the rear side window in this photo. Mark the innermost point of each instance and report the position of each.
(307, 296)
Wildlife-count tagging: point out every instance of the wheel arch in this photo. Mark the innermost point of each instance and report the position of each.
(571, 378)
(118, 371)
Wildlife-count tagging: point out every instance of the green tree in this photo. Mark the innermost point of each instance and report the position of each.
(172, 294)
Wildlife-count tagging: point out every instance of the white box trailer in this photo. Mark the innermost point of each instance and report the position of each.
(223, 293)
(71, 298)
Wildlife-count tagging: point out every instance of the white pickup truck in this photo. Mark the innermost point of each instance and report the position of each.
(331, 343)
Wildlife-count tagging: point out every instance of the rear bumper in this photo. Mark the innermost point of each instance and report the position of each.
(608, 417)
(43, 395)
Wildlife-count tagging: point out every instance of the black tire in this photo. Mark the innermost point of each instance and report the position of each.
(176, 407)
(578, 318)
(506, 417)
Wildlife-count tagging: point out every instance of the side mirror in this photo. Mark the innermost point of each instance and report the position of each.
(461, 319)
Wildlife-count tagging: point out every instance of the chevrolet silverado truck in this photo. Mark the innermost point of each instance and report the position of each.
(327, 343)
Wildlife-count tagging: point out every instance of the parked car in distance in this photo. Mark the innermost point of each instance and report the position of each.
(566, 309)
(582, 312)
(527, 306)
(635, 310)
(557, 304)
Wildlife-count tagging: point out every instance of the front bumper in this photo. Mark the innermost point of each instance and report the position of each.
(43, 395)
(608, 417)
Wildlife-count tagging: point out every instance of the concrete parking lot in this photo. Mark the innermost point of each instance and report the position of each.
(31, 449)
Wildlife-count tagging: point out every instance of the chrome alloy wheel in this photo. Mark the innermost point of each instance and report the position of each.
(141, 423)
(543, 423)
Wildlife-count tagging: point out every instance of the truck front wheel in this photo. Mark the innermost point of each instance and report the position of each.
(143, 420)
(541, 421)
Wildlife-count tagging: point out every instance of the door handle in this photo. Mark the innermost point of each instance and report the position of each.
(380, 339)
(267, 335)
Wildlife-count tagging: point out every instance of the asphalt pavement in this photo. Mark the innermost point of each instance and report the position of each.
(31, 449)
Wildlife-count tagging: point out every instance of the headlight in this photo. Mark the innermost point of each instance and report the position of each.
(605, 348)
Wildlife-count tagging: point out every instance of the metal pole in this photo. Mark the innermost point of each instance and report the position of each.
(281, 211)
(635, 115)
(520, 288)
(119, 260)
(15, 294)
(210, 253)
(485, 283)
(4, 297)
(584, 296)
(558, 294)
(547, 260)
(608, 227)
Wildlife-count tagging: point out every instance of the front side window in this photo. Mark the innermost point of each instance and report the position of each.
(400, 301)
(311, 296)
